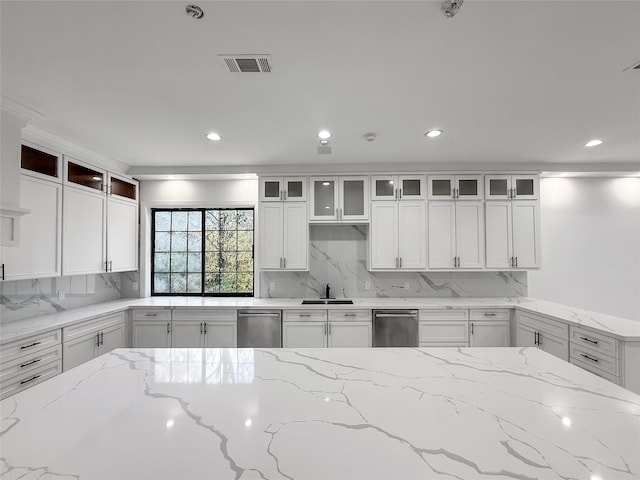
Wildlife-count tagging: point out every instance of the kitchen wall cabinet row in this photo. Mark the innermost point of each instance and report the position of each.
(416, 221)
(82, 220)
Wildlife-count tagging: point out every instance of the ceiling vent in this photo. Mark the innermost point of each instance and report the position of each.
(324, 150)
(247, 63)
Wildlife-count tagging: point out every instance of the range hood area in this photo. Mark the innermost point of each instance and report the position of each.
(14, 118)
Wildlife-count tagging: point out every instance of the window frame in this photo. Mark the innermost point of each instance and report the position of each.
(202, 293)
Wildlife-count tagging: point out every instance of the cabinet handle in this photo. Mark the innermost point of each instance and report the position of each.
(3, 271)
(305, 315)
(111, 265)
(97, 339)
(29, 380)
(349, 314)
(396, 262)
(284, 262)
(535, 338)
(106, 266)
(400, 195)
(205, 328)
(595, 342)
(588, 357)
(150, 314)
(30, 345)
(201, 329)
(101, 338)
(168, 328)
(30, 363)
(471, 328)
(516, 262)
(490, 314)
(400, 262)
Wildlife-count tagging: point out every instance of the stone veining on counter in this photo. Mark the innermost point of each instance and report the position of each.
(329, 413)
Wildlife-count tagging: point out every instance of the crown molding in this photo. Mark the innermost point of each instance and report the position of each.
(21, 111)
(49, 140)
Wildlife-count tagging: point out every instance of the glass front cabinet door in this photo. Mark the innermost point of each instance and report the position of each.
(277, 189)
(455, 187)
(398, 187)
(339, 199)
(511, 187)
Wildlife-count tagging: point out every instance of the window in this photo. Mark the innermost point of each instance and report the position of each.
(202, 252)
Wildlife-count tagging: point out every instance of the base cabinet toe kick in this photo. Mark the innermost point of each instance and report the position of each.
(32, 360)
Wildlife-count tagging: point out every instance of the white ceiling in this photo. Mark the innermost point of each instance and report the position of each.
(510, 82)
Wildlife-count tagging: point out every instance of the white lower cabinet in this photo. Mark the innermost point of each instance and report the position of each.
(88, 340)
(322, 328)
(30, 361)
(151, 328)
(595, 352)
(490, 328)
(206, 328)
(547, 334)
(443, 328)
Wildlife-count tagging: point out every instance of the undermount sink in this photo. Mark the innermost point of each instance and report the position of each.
(327, 302)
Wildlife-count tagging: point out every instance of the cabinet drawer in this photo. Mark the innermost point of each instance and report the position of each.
(13, 350)
(26, 380)
(543, 324)
(444, 314)
(349, 315)
(305, 315)
(203, 315)
(595, 341)
(590, 368)
(29, 363)
(161, 314)
(451, 333)
(490, 314)
(91, 326)
(599, 361)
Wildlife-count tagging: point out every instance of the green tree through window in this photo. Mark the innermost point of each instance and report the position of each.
(202, 252)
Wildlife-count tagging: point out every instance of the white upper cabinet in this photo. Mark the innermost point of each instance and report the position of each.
(339, 199)
(513, 235)
(512, 187)
(397, 237)
(398, 187)
(41, 162)
(276, 189)
(284, 234)
(455, 187)
(100, 226)
(39, 253)
(456, 232)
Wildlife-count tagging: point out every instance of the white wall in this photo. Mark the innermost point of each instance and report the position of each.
(186, 193)
(590, 244)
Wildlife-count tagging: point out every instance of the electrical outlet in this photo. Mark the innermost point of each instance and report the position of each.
(61, 295)
(367, 285)
(406, 285)
(134, 285)
(272, 285)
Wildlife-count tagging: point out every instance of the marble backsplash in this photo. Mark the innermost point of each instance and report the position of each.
(29, 298)
(338, 256)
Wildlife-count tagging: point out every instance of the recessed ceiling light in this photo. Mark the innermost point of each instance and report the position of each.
(214, 136)
(324, 134)
(593, 143)
(434, 133)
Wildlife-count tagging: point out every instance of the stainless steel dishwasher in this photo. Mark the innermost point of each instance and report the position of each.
(259, 329)
(395, 328)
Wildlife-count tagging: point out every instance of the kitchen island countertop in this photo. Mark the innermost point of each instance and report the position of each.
(447, 413)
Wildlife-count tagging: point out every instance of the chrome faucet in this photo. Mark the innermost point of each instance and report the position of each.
(328, 291)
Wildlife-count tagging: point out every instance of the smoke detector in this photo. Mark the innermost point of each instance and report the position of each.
(194, 11)
(244, 63)
(451, 7)
(370, 137)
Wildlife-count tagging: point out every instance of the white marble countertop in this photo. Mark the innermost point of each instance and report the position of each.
(621, 328)
(516, 413)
